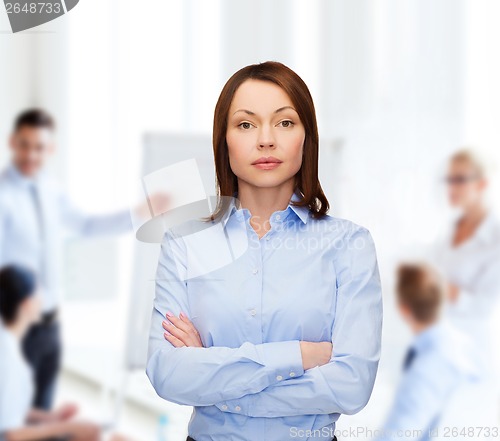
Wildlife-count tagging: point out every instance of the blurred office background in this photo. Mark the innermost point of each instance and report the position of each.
(398, 86)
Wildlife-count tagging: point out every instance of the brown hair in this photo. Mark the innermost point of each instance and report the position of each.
(421, 289)
(34, 117)
(306, 183)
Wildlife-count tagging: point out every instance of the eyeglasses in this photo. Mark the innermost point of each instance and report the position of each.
(459, 179)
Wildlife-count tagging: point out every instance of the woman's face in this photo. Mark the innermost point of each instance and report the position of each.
(465, 187)
(264, 135)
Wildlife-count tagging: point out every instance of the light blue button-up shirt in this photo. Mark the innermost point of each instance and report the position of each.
(252, 301)
(32, 238)
(445, 360)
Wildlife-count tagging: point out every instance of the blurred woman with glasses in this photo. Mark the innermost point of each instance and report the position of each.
(469, 256)
(470, 253)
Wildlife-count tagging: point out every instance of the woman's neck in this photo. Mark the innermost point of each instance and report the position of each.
(262, 202)
(474, 214)
(468, 223)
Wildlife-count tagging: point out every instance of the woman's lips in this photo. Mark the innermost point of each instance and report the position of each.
(268, 163)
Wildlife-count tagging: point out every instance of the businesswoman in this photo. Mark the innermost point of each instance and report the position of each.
(468, 254)
(267, 316)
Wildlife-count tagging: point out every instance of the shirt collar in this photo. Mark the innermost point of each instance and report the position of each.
(425, 338)
(484, 233)
(301, 212)
(19, 178)
(485, 228)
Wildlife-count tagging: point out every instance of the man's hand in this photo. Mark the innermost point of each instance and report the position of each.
(159, 203)
(180, 331)
(315, 353)
(82, 431)
(66, 412)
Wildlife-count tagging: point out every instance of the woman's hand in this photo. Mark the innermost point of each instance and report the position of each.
(315, 353)
(180, 331)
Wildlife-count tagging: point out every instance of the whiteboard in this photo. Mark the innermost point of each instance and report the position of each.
(159, 150)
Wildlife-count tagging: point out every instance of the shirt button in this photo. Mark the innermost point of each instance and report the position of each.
(278, 217)
(268, 237)
(253, 312)
(224, 407)
(292, 374)
(237, 408)
(255, 271)
(279, 378)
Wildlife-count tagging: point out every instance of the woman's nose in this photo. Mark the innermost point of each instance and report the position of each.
(266, 138)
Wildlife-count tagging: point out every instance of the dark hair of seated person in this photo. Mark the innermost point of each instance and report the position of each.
(17, 283)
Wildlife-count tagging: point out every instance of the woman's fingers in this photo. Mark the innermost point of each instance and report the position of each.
(183, 329)
(186, 326)
(176, 332)
(195, 337)
(174, 340)
(189, 324)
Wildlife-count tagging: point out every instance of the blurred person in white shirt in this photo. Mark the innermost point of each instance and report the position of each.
(468, 255)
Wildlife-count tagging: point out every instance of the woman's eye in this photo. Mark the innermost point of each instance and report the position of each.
(245, 125)
(286, 123)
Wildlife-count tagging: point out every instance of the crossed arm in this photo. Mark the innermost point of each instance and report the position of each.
(269, 379)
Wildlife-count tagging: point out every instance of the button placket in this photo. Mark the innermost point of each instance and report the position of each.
(253, 300)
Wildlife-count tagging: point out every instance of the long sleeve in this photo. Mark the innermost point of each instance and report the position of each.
(203, 376)
(93, 225)
(344, 385)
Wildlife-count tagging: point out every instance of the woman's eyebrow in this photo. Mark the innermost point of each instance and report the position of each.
(284, 108)
(249, 112)
(244, 110)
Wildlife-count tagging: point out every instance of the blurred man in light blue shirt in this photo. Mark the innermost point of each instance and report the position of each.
(34, 211)
(439, 361)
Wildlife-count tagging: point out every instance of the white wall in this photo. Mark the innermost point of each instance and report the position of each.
(34, 73)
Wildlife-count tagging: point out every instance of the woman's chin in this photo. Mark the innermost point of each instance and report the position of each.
(269, 181)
